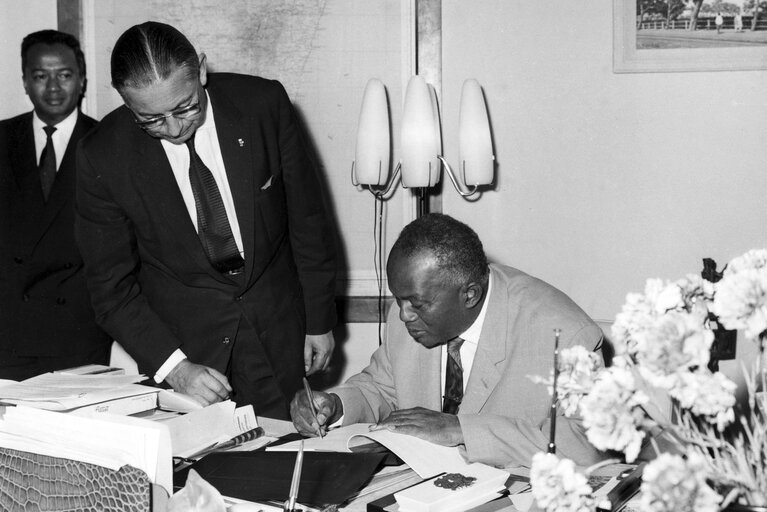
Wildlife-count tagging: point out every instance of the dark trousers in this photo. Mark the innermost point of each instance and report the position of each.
(252, 377)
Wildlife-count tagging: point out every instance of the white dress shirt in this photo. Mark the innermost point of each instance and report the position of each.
(470, 341)
(60, 137)
(207, 147)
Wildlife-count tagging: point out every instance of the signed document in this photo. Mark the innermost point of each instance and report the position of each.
(425, 458)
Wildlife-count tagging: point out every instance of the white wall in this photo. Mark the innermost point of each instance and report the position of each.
(17, 20)
(604, 179)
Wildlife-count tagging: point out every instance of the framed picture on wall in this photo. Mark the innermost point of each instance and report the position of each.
(689, 35)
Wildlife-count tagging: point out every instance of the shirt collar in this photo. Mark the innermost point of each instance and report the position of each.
(471, 335)
(66, 126)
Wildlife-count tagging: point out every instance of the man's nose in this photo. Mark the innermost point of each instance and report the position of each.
(53, 83)
(406, 312)
(173, 126)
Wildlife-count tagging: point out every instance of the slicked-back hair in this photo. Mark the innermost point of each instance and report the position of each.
(149, 53)
(456, 247)
(51, 37)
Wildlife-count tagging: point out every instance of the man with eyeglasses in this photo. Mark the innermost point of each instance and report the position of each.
(46, 319)
(209, 254)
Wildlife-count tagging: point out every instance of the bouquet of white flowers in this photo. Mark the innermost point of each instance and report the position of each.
(663, 340)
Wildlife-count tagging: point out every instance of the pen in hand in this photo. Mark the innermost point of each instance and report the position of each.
(310, 396)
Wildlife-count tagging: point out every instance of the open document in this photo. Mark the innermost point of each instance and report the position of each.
(425, 458)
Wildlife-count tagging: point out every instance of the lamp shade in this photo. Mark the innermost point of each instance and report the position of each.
(371, 160)
(475, 147)
(421, 139)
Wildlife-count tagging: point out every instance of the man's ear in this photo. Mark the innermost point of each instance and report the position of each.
(473, 293)
(203, 69)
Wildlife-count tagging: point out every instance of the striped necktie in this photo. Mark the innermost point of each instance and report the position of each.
(212, 222)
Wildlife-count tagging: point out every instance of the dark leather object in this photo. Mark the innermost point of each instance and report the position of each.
(34, 482)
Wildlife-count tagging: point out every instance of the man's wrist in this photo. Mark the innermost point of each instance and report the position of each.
(338, 410)
(169, 365)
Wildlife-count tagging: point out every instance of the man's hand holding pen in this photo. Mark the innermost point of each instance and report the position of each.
(328, 407)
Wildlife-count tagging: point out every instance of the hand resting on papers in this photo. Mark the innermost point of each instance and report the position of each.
(329, 410)
(202, 383)
(435, 427)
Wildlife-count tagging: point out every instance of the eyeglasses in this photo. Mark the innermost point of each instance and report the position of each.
(158, 121)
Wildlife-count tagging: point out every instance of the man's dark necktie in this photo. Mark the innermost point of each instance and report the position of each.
(212, 223)
(453, 377)
(48, 162)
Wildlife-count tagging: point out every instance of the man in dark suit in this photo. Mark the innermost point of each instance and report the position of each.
(208, 250)
(46, 320)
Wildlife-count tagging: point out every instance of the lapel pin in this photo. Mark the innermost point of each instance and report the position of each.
(240, 142)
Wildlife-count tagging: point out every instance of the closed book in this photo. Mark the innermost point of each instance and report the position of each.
(474, 485)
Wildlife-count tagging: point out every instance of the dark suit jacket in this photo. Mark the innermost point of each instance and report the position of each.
(44, 303)
(152, 285)
(504, 415)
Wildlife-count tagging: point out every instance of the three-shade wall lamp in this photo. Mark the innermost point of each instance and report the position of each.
(421, 141)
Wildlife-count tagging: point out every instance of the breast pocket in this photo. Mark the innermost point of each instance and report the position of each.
(273, 209)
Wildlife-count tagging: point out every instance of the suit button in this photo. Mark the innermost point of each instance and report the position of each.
(238, 298)
(61, 301)
(18, 260)
(25, 297)
(226, 340)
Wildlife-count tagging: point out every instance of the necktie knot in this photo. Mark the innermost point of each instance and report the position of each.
(48, 129)
(454, 349)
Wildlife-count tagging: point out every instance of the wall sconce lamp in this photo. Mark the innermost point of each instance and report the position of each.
(421, 141)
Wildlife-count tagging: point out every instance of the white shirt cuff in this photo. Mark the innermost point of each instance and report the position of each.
(170, 363)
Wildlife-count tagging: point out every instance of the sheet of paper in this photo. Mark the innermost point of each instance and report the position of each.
(200, 429)
(276, 428)
(425, 458)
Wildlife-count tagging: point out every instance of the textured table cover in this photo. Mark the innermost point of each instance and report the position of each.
(32, 482)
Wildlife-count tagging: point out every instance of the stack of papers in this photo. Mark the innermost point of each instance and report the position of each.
(66, 392)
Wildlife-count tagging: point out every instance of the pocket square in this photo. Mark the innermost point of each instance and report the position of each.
(267, 184)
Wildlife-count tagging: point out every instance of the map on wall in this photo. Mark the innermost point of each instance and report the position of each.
(323, 52)
(259, 37)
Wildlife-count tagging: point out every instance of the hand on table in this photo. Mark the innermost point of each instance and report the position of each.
(328, 406)
(318, 349)
(436, 427)
(202, 383)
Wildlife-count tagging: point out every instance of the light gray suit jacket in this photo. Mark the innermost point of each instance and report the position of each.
(504, 415)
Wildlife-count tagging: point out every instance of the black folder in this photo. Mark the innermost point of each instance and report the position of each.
(327, 478)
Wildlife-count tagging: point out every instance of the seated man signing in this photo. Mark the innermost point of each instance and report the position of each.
(501, 322)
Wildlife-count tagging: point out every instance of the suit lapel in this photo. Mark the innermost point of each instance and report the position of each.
(491, 353)
(157, 186)
(63, 190)
(28, 210)
(237, 145)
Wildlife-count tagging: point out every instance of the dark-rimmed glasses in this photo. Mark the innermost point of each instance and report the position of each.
(157, 122)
